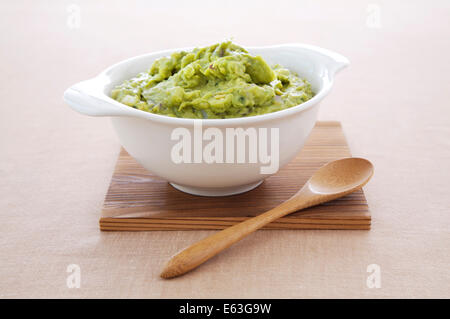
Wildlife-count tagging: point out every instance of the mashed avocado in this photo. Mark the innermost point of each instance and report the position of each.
(219, 81)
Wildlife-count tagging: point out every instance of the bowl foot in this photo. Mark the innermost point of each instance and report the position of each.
(222, 191)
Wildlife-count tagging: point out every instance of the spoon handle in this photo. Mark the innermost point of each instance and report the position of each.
(203, 250)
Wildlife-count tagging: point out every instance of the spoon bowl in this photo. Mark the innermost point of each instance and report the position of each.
(341, 176)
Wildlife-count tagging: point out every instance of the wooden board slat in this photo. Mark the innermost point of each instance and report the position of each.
(137, 200)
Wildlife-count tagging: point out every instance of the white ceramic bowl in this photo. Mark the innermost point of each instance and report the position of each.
(147, 136)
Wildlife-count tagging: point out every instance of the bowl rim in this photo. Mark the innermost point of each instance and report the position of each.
(327, 83)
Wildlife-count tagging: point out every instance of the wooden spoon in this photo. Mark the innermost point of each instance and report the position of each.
(334, 180)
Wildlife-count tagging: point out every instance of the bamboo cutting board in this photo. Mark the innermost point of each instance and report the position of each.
(137, 200)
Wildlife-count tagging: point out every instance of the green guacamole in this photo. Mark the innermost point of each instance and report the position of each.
(215, 82)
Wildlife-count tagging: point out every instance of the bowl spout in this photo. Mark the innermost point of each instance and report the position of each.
(337, 63)
(332, 61)
(87, 98)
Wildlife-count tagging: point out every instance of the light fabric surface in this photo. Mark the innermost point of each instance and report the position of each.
(55, 165)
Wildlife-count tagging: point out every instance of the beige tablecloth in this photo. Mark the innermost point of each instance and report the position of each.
(55, 165)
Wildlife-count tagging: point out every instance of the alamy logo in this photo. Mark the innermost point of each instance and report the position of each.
(74, 279)
(374, 279)
(373, 19)
(74, 16)
(237, 146)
